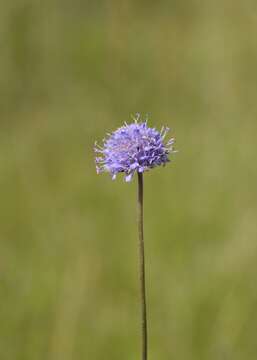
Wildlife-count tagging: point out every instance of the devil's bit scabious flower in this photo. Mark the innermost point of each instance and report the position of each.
(133, 148)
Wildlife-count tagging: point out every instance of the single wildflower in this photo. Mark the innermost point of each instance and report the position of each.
(133, 148)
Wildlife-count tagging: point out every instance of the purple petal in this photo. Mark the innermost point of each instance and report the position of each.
(128, 177)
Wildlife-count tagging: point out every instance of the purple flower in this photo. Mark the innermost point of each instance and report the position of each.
(133, 148)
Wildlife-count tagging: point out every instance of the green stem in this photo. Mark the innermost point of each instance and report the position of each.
(142, 267)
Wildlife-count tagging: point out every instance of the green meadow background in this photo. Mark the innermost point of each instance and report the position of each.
(70, 71)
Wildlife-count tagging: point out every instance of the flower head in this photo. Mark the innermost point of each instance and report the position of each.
(133, 148)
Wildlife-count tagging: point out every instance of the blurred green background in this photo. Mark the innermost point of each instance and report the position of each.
(69, 73)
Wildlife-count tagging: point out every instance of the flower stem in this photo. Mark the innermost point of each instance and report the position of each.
(142, 267)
